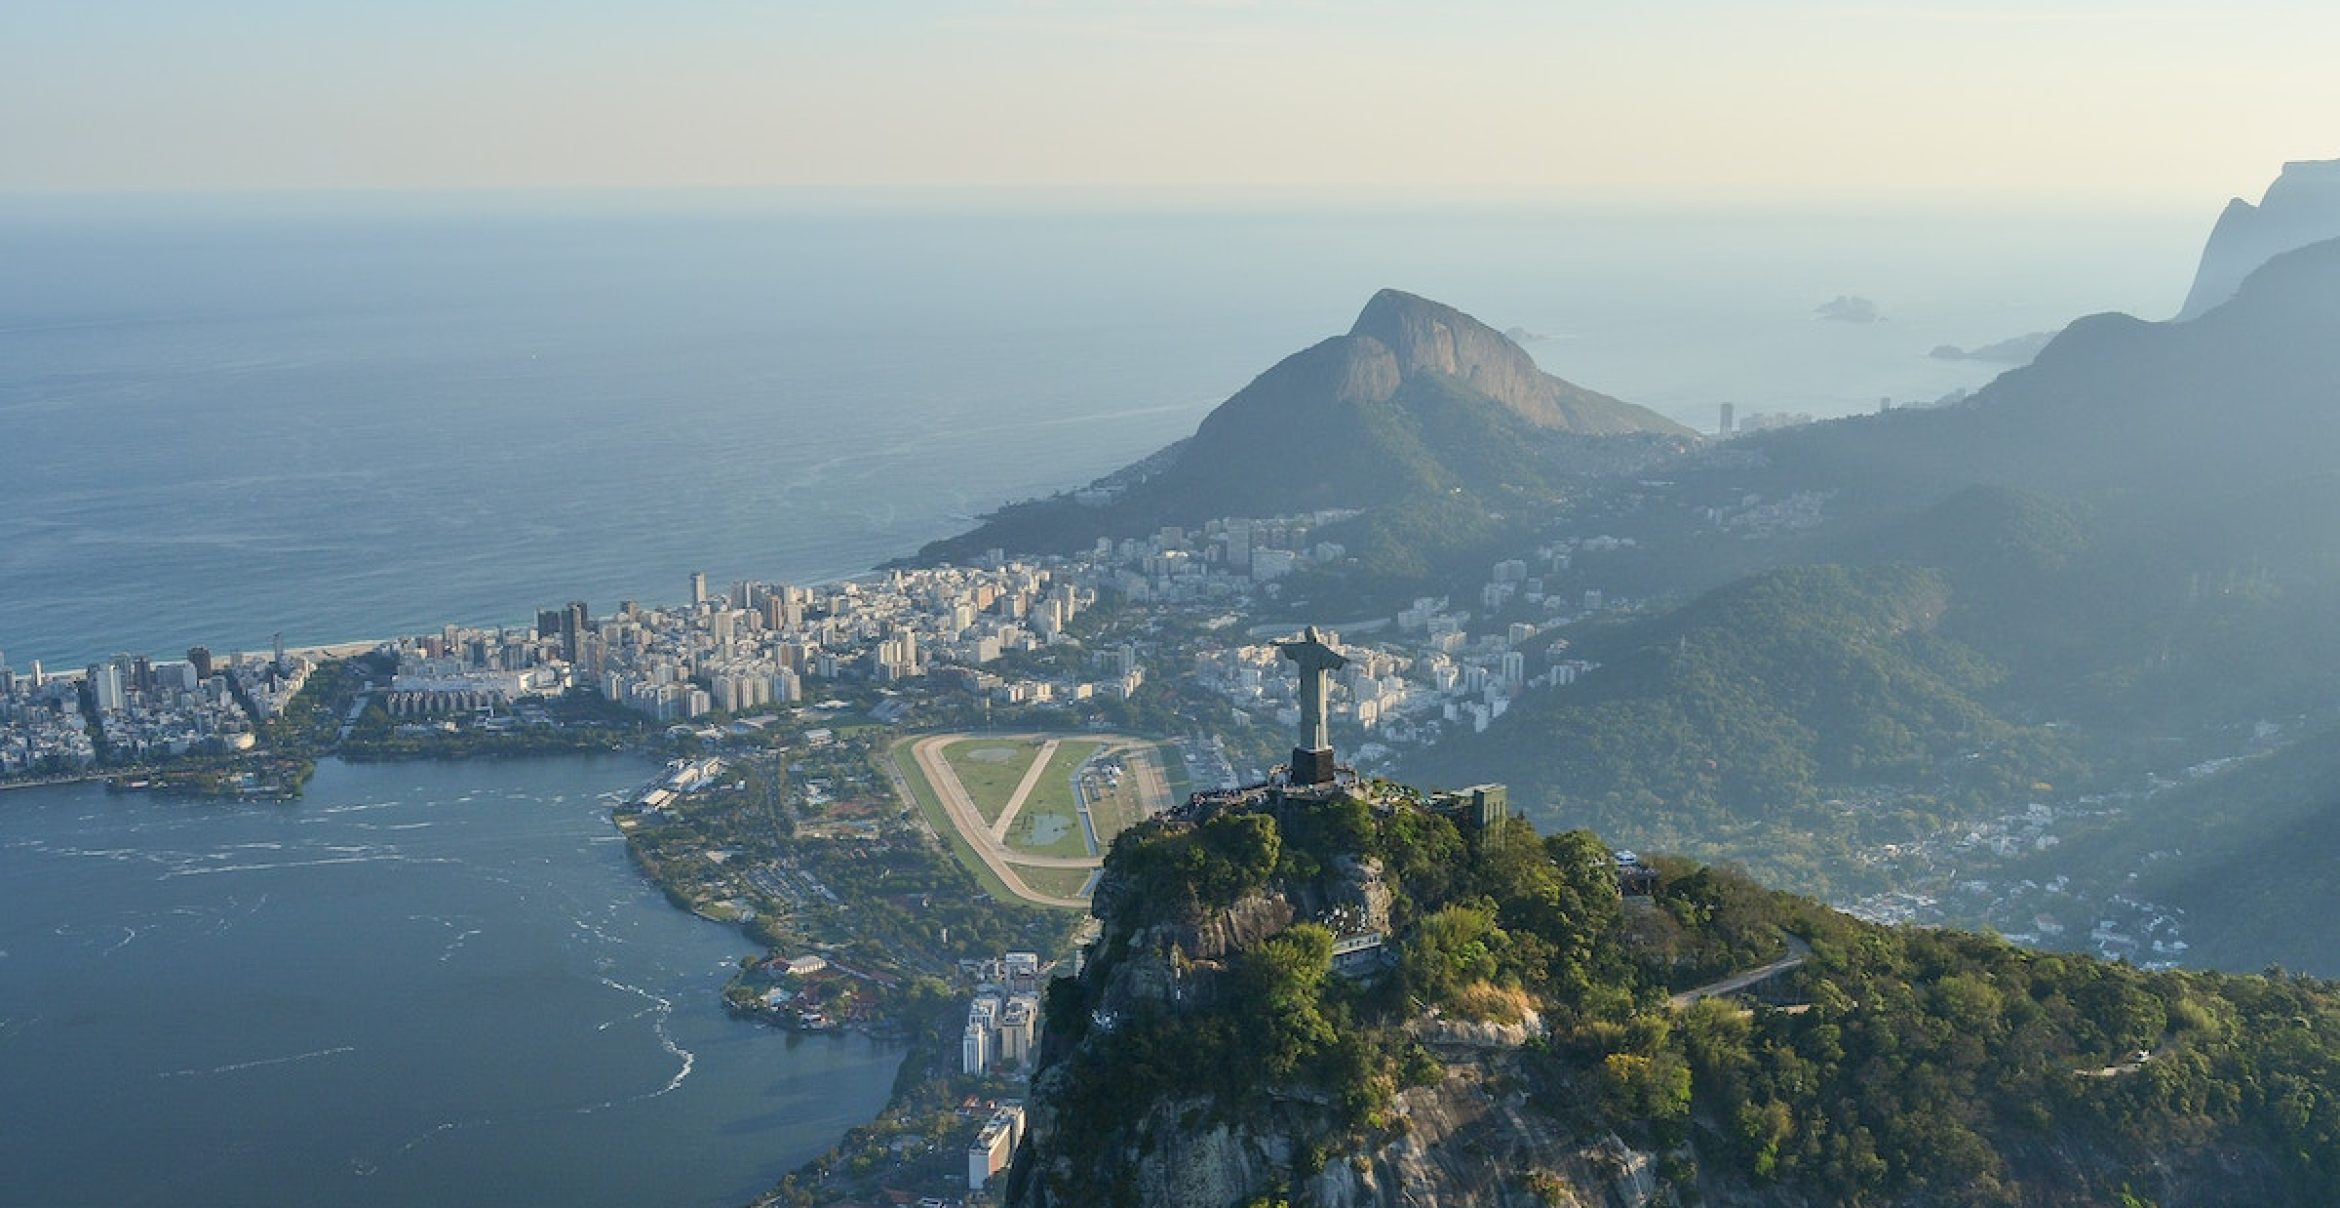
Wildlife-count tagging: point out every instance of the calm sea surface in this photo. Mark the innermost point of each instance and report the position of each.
(347, 418)
(431, 984)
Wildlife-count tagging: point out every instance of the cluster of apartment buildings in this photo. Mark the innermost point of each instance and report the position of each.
(1223, 560)
(734, 651)
(1404, 691)
(1003, 1018)
(1423, 672)
(51, 722)
(757, 643)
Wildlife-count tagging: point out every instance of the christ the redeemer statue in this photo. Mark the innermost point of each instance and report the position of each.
(1312, 760)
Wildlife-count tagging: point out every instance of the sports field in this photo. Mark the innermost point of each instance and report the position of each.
(1032, 814)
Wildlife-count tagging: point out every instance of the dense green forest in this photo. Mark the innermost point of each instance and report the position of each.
(1892, 1066)
(1746, 719)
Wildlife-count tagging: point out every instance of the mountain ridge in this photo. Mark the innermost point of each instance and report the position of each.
(2133, 547)
(2300, 207)
(1417, 398)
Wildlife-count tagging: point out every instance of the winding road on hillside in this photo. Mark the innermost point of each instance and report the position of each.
(1798, 953)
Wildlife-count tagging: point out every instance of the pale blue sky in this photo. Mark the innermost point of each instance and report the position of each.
(1687, 100)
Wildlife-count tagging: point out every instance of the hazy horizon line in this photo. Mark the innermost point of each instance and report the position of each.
(1106, 199)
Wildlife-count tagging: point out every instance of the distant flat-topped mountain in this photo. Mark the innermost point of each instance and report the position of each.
(2300, 208)
(1417, 398)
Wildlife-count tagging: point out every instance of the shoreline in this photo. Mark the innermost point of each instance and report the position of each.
(350, 647)
(49, 782)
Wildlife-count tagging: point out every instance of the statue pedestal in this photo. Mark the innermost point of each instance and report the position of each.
(1312, 767)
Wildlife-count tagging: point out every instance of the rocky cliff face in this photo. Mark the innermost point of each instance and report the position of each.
(1467, 1139)
(1400, 339)
(1428, 337)
(1465, 1142)
(2300, 208)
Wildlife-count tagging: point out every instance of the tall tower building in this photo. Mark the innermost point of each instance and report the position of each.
(199, 657)
(698, 588)
(576, 622)
(1730, 420)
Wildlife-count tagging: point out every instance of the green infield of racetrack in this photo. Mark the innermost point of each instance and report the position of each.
(1050, 822)
(989, 783)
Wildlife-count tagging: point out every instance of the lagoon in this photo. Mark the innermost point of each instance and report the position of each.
(423, 983)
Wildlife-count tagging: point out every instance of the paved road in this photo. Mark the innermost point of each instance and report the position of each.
(1798, 953)
(960, 808)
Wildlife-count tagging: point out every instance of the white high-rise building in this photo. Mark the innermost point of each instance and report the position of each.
(975, 1049)
(106, 684)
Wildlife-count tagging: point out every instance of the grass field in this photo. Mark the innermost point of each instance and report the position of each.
(991, 768)
(1050, 823)
(1057, 882)
(930, 807)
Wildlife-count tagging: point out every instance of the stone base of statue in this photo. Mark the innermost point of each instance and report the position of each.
(1312, 767)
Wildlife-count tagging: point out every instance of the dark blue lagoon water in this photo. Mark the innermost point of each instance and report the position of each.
(345, 418)
(425, 984)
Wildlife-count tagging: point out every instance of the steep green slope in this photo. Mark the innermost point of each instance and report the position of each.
(1728, 723)
(2249, 852)
(2135, 541)
(1534, 1038)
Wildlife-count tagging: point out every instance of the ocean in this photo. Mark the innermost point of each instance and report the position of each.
(426, 983)
(343, 418)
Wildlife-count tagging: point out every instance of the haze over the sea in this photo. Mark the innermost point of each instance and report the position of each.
(342, 417)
